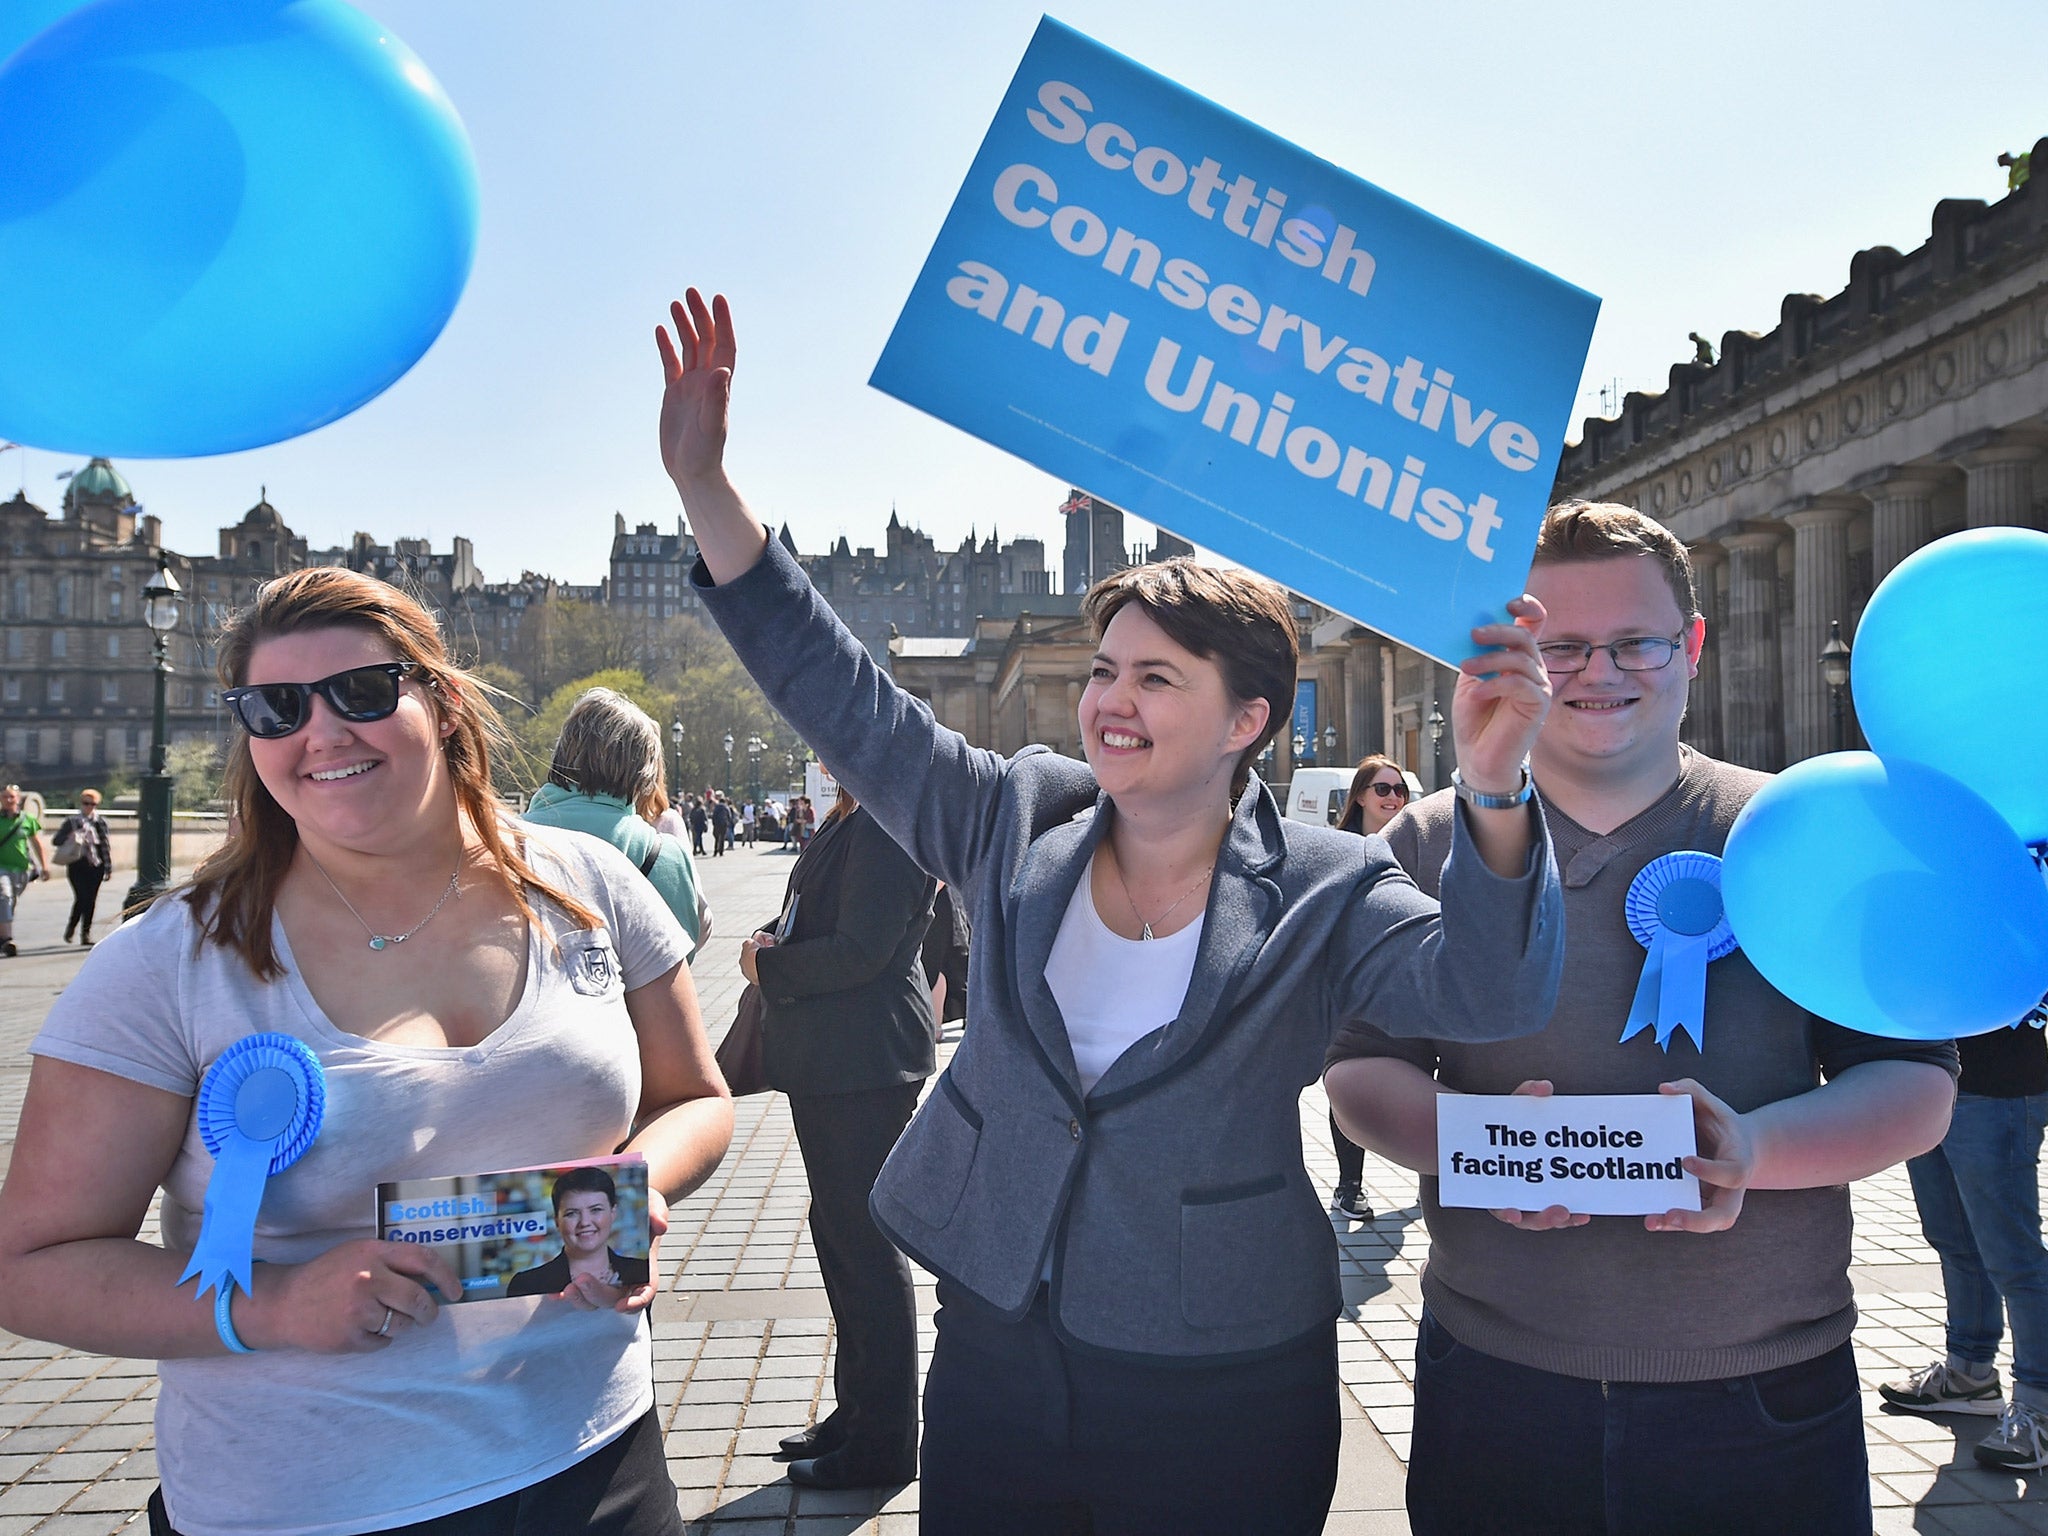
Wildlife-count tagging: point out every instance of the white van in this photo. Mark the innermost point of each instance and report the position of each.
(1316, 795)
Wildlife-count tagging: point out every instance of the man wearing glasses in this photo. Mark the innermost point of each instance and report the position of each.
(1689, 1371)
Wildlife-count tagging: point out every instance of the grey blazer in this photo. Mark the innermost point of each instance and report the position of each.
(1171, 1201)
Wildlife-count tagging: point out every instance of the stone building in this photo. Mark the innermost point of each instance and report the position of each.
(1808, 462)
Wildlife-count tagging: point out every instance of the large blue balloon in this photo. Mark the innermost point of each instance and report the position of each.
(222, 223)
(1942, 656)
(1886, 896)
(21, 20)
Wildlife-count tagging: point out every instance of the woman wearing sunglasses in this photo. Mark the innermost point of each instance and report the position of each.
(481, 995)
(1379, 793)
(1138, 1285)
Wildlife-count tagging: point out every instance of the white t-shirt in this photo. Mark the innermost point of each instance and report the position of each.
(494, 1396)
(1114, 991)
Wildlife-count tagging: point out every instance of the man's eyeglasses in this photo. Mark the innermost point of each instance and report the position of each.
(1389, 791)
(359, 695)
(1638, 653)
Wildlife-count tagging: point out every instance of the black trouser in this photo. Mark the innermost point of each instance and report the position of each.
(86, 879)
(620, 1489)
(1027, 1436)
(845, 1137)
(1350, 1156)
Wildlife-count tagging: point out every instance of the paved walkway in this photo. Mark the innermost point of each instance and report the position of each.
(743, 1348)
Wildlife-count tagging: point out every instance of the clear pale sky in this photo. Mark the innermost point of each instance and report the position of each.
(1689, 164)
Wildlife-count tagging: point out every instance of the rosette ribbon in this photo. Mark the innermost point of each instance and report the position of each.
(260, 1106)
(1675, 912)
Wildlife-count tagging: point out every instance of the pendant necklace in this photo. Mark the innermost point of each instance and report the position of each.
(1145, 928)
(385, 940)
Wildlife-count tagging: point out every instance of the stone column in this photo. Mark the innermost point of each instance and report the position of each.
(1364, 711)
(1703, 707)
(1752, 716)
(2001, 485)
(1820, 592)
(1901, 517)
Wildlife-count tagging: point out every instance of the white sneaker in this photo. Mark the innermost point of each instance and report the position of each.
(2020, 1443)
(1941, 1390)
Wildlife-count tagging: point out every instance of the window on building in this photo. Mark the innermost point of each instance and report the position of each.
(17, 598)
(17, 645)
(110, 690)
(56, 693)
(60, 645)
(63, 597)
(113, 647)
(10, 690)
(113, 602)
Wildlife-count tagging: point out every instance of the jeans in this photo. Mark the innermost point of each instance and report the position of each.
(1500, 1447)
(1980, 1210)
(12, 883)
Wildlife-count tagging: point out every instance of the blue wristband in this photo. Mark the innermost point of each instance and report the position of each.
(223, 1324)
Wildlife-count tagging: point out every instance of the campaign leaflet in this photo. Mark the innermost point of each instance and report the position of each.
(519, 1232)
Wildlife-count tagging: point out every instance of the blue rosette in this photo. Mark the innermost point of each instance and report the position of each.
(260, 1107)
(1675, 912)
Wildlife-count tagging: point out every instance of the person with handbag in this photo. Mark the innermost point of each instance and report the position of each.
(84, 848)
(23, 859)
(846, 1033)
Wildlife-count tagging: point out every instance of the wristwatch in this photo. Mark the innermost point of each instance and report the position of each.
(1472, 796)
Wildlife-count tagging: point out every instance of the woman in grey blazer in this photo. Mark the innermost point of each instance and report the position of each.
(1138, 1283)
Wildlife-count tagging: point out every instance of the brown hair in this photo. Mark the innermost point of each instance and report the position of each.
(1353, 819)
(1606, 530)
(235, 891)
(1237, 620)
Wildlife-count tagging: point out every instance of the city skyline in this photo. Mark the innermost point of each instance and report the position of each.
(1551, 134)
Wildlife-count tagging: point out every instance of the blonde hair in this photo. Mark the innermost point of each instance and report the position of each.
(234, 893)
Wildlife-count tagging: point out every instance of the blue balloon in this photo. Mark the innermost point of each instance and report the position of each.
(1887, 897)
(1935, 661)
(21, 20)
(222, 223)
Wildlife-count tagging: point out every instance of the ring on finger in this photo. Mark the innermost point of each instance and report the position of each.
(384, 1328)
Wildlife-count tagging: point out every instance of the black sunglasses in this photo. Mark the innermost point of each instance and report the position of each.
(1388, 791)
(359, 695)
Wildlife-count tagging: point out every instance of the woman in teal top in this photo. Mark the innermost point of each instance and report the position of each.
(607, 762)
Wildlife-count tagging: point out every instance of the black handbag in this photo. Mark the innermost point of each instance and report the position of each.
(739, 1053)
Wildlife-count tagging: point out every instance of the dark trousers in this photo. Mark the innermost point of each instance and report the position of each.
(1350, 1157)
(86, 880)
(620, 1489)
(1026, 1436)
(844, 1138)
(1500, 1447)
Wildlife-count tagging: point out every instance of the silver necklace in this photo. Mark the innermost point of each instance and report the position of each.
(384, 940)
(1145, 928)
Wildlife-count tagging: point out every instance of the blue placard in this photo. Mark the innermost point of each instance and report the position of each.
(1148, 296)
(1305, 712)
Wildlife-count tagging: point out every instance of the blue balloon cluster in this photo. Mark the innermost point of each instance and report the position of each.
(223, 223)
(1902, 892)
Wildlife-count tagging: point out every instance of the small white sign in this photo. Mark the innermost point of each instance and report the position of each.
(1595, 1154)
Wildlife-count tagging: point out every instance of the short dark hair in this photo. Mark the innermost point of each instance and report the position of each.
(1605, 530)
(595, 1180)
(1239, 621)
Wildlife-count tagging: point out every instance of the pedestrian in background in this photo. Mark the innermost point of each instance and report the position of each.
(23, 859)
(1979, 1194)
(700, 822)
(721, 825)
(607, 764)
(88, 868)
(846, 1033)
(1379, 792)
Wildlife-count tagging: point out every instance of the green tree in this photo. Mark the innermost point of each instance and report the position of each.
(194, 766)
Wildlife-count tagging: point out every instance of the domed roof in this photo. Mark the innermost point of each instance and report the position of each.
(99, 481)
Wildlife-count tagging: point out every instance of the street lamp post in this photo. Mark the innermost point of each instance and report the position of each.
(1436, 745)
(755, 747)
(675, 734)
(1834, 671)
(1330, 742)
(728, 765)
(160, 599)
(1301, 745)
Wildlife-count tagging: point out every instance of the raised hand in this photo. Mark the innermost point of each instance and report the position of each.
(696, 367)
(1502, 699)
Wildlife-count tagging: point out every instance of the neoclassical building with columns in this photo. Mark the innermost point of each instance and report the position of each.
(1804, 464)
